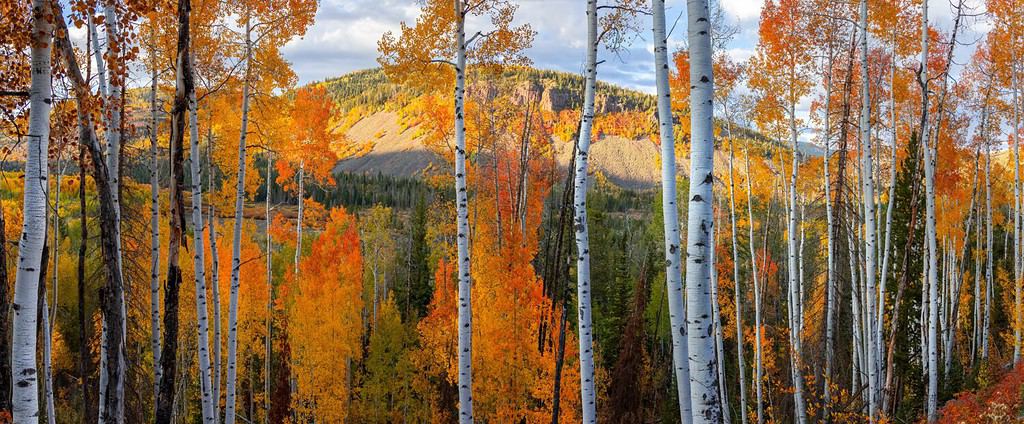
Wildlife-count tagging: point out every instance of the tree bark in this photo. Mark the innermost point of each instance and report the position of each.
(737, 296)
(184, 86)
(214, 284)
(84, 355)
(111, 295)
(236, 246)
(700, 221)
(670, 209)
(5, 321)
(717, 322)
(988, 252)
(932, 275)
(199, 262)
(830, 290)
(25, 393)
(154, 240)
(870, 235)
(270, 298)
(465, 317)
(793, 270)
(758, 364)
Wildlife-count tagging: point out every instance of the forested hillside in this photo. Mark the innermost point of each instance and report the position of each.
(828, 230)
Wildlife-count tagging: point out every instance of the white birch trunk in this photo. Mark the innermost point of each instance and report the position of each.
(830, 248)
(214, 283)
(270, 301)
(856, 317)
(1018, 258)
(976, 313)
(236, 242)
(25, 390)
(737, 296)
(199, 265)
(717, 320)
(48, 317)
(932, 276)
(154, 238)
(758, 364)
(988, 251)
(465, 318)
(588, 392)
(800, 274)
(793, 270)
(700, 221)
(113, 159)
(101, 74)
(887, 243)
(298, 219)
(670, 207)
(47, 361)
(113, 112)
(870, 234)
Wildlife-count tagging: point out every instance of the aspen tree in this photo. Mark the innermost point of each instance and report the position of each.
(670, 209)
(700, 221)
(25, 396)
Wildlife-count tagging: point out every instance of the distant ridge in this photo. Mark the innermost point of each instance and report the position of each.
(387, 146)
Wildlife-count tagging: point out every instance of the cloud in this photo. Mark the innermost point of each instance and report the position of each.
(344, 39)
(743, 10)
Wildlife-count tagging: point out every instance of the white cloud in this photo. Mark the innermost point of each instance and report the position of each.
(743, 10)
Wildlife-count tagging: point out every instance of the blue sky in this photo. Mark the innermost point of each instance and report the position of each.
(344, 37)
(345, 34)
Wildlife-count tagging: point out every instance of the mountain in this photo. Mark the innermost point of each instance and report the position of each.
(388, 146)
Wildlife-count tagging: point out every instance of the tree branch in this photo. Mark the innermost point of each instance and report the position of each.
(625, 9)
(444, 61)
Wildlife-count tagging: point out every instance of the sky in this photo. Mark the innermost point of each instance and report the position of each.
(345, 34)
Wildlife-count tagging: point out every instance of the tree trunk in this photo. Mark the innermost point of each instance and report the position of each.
(5, 322)
(988, 252)
(717, 321)
(112, 293)
(758, 364)
(270, 299)
(737, 296)
(670, 207)
(1018, 258)
(47, 332)
(84, 354)
(154, 240)
(214, 282)
(793, 269)
(887, 243)
(183, 88)
(298, 220)
(113, 112)
(465, 318)
(830, 291)
(932, 279)
(199, 263)
(25, 397)
(236, 245)
(870, 235)
(700, 221)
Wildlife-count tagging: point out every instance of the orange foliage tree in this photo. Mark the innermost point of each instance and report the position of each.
(325, 321)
